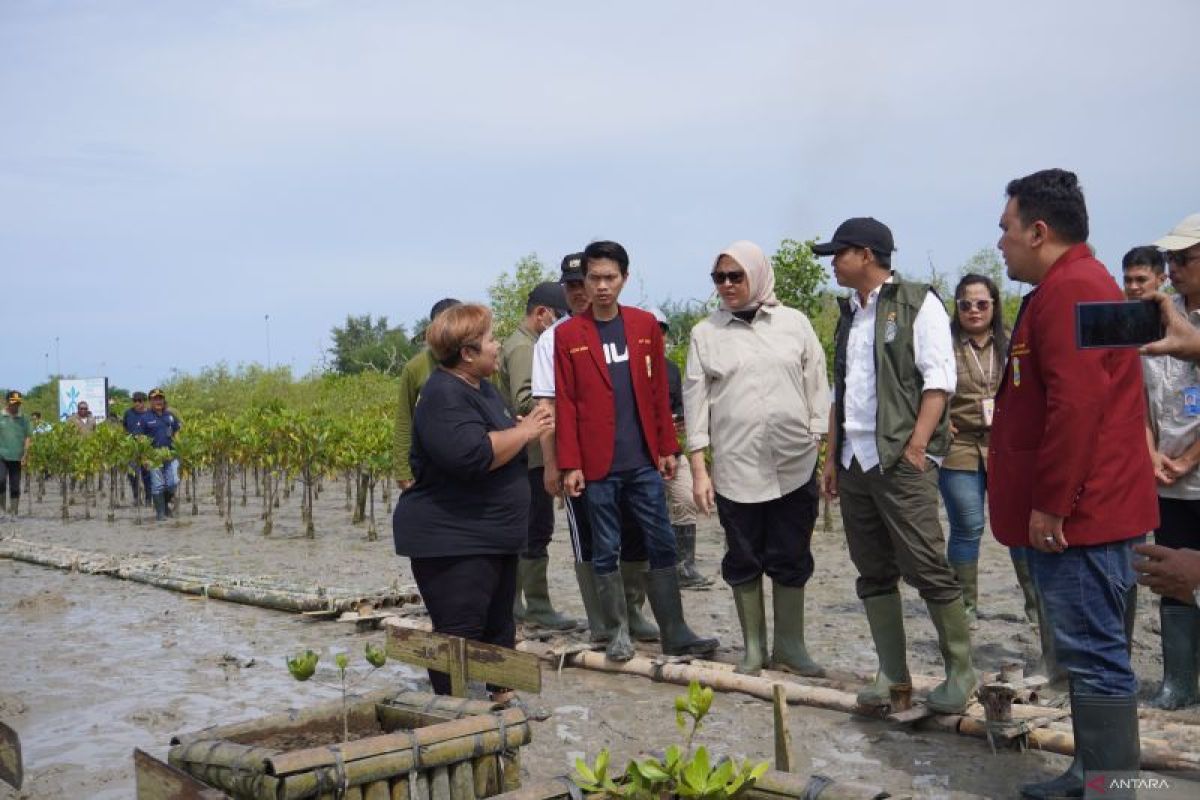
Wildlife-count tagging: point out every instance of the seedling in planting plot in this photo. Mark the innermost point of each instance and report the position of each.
(304, 666)
(681, 773)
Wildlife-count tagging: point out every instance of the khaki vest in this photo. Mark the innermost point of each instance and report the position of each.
(898, 382)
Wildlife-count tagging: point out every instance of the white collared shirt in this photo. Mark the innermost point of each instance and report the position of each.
(933, 350)
(541, 383)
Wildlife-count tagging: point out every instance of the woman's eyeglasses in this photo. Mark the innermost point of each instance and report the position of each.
(735, 278)
(979, 305)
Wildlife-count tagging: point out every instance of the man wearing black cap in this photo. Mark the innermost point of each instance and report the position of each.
(894, 370)
(547, 304)
(412, 378)
(15, 435)
(634, 559)
(160, 426)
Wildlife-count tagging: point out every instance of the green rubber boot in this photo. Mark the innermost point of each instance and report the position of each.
(610, 589)
(519, 599)
(1106, 740)
(1021, 568)
(662, 588)
(1181, 648)
(633, 573)
(789, 652)
(1056, 674)
(160, 507)
(752, 616)
(586, 579)
(885, 615)
(538, 608)
(954, 638)
(967, 574)
(685, 546)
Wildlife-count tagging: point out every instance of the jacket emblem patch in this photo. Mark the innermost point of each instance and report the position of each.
(1016, 371)
(889, 332)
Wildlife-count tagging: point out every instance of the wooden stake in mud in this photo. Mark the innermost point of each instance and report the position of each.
(783, 736)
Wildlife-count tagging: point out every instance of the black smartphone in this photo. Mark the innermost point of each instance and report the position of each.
(1124, 324)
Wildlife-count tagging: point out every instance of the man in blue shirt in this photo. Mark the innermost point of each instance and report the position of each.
(160, 426)
(132, 421)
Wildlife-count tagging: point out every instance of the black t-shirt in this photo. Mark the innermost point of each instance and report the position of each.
(629, 448)
(458, 506)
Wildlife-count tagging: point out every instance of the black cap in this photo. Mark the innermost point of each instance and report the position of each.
(865, 232)
(551, 295)
(442, 305)
(139, 396)
(572, 268)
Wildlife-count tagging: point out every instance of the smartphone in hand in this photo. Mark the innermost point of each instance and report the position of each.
(1121, 324)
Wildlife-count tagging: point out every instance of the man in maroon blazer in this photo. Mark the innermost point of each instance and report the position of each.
(615, 440)
(1069, 474)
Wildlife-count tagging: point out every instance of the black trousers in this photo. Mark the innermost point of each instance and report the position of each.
(10, 474)
(774, 537)
(1179, 527)
(541, 516)
(471, 597)
(633, 541)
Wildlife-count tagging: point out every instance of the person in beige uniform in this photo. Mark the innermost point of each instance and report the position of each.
(756, 391)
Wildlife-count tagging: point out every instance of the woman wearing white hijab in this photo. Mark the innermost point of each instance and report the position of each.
(756, 392)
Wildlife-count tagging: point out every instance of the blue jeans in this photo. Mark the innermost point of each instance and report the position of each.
(640, 493)
(164, 477)
(1083, 590)
(963, 493)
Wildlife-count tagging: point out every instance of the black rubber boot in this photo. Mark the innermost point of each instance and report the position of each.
(685, 545)
(662, 589)
(160, 506)
(1106, 740)
(519, 597)
(169, 495)
(633, 573)
(1028, 590)
(610, 590)
(1181, 648)
(538, 608)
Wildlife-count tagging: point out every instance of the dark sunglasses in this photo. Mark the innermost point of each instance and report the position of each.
(978, 305)
(735, 278)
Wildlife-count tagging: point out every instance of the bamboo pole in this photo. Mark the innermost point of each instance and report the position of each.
(1156, 753)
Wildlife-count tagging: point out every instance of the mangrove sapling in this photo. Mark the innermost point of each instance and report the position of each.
(304, 665)
(680, 773)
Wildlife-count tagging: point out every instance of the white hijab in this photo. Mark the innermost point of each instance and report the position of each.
(759, 274)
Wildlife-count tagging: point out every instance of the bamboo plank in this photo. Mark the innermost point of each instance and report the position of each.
(439, 784)
(462, 781)
(379, 790)
(487, 776)
(510, 770)
(353, 793)
(400, 788)
(783, 736)
(293, 720)
(775, 785)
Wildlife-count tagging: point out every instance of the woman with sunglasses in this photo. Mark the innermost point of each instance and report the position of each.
(756, 392)
(980, 344)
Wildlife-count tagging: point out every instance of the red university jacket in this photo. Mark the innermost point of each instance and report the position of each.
(584, 416)
(1069, 433)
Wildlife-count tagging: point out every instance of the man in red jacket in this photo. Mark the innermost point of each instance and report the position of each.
(615, 440)
(1069, 474)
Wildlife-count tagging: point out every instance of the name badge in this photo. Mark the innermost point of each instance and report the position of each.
(988, 406)
(1191, 401)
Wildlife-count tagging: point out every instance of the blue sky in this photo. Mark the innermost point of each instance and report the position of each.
(170, 172)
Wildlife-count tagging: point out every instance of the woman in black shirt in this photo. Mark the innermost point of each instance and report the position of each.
(464, 520)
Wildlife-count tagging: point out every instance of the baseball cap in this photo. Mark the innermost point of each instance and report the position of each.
(1183, 235)
(15, 397)
(658, 314)
(865, 232)
(572, 268)
(550, 295)
(157, 393)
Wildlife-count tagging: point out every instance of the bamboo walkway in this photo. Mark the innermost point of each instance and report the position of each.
(173, 573)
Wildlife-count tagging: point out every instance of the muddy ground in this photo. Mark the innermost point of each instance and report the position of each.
(91, 667)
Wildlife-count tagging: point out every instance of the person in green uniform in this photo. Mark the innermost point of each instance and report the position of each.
(412, 378)
(15, 433)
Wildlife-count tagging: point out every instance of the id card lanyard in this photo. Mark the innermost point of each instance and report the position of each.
(987, 405)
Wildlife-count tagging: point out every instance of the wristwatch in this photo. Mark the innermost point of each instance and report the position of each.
(1196, 596)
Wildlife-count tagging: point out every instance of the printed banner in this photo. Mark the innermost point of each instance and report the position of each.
(93, 391)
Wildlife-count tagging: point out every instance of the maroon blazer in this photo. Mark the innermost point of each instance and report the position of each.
(1069, 434)
(585, 418)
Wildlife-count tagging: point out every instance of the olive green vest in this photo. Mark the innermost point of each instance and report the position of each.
(898, 382)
